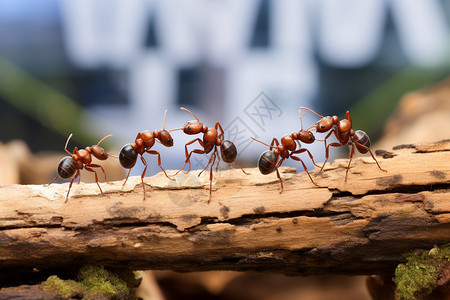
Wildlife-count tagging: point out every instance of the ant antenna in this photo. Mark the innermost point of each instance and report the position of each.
(108, 136)
(182, 108)
(262, 142)
(165, 113)
(302, 107)
(67, 142)
(175, 129)
(301, 120)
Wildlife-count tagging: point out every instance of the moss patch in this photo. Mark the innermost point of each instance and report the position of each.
(94, 282)
(417, 277)
(66, 288)
(97, 279)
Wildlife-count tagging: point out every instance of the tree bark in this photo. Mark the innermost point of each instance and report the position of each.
(362, 226)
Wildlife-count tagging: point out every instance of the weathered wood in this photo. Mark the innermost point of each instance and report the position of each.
(359, 227)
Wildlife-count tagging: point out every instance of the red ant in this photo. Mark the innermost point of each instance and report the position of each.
(345, 134)
(142, 144)
(79, 159)
(211, 140)
(269, 160)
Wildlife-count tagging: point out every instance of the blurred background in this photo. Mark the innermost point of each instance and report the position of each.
(94, 68)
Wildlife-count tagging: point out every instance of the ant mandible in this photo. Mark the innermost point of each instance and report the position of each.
(345, 134)
(211, 140)
(142, 144)
(269, 160)
(79, 159)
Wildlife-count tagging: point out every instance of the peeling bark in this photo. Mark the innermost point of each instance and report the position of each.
(359, 227)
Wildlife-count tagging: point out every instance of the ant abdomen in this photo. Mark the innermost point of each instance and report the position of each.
(228, 151)
(267, 162)
(67, 167)
(361, 138)
(128, 156)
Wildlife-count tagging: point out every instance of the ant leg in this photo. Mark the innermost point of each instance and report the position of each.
(368, 149)
(237, 165)
(188, 155)
(376, 161)
(274, 142)
(88, 168)
(219, 127)
(98, 166)
(209, 161)
(218, 161)
(70, 185)
(303, 164)
(281, 181)
(138, 136)
(301, 150)
(198, 151)
(154, 152)
(128, 174)
(352, 152)
(211, 178)
(278, 174)
(143, 174)
(326, 147)
(56, 178)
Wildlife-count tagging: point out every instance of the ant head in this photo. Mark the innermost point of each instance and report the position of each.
(306, 136)
(98, 152)
(193, 127)
(324, 124)
(165, 138)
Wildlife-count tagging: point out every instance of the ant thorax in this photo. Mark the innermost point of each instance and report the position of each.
(210, 135)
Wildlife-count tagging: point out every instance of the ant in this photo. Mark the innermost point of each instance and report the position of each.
(270, 159)
(345, 134)
(211, 140)
(79, 159)
(142, 144)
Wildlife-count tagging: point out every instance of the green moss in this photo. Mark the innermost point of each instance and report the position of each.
(94, 281)
(445, 251)
(417, 277)
(97, 279)
(66, 288)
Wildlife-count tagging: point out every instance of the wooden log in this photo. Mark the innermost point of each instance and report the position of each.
(362, 226)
